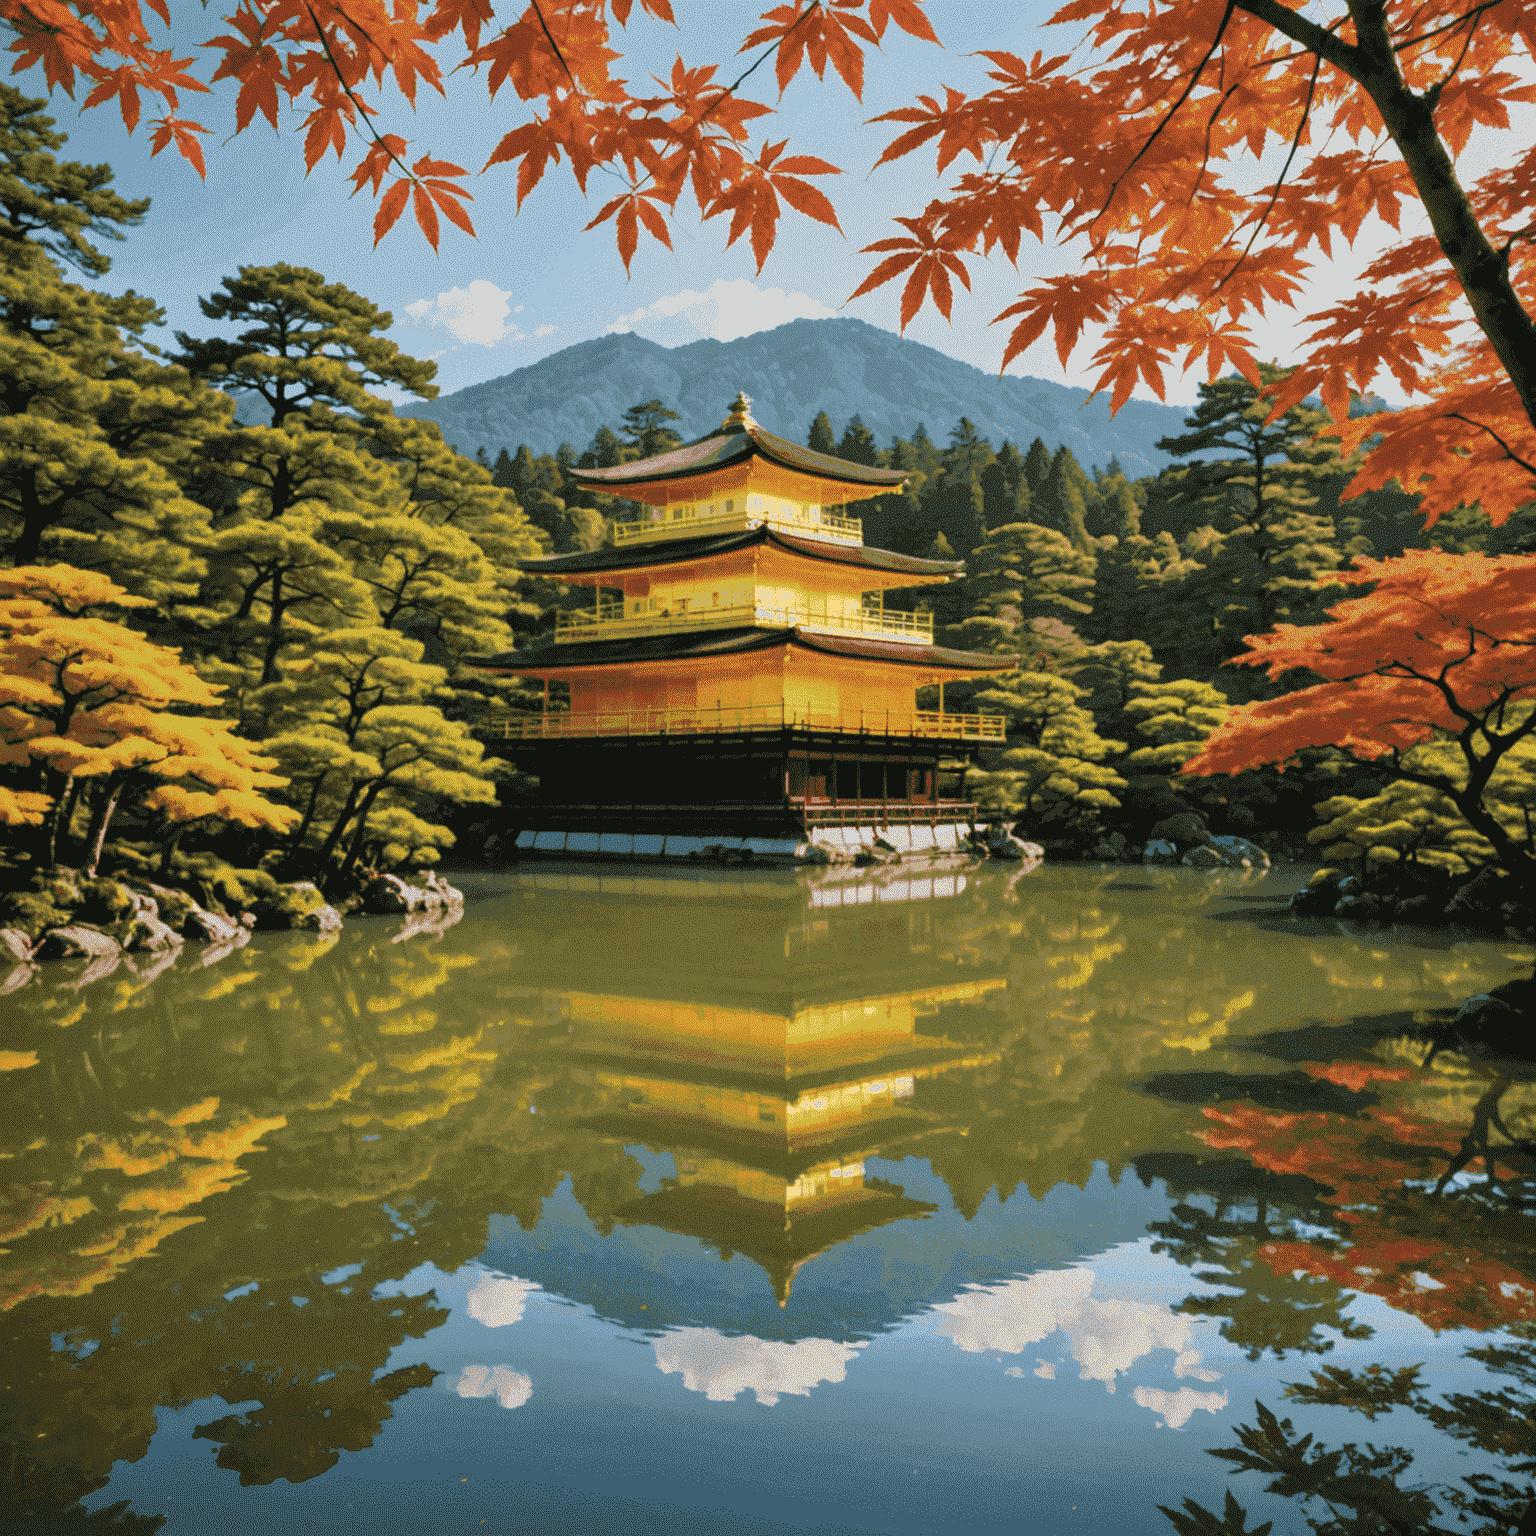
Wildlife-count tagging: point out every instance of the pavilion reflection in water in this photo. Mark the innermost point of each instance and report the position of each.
(776, 1077)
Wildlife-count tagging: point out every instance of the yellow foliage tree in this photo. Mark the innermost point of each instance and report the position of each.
(90, 709)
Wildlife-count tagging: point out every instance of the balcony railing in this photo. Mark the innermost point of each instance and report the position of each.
(686, 523)
(700, 721)
(611, 622)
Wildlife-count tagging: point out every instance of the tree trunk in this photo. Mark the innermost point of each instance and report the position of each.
(169, 846)
(66, 792)
(101, 819)
(350, 861)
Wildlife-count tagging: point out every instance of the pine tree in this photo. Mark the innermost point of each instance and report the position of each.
(1259, 497)
(1062, 499)
(97, 441)
(820, 439)
(1004, 489)
(646, 431)
(858, 445)
(1037, 465)
(953, 502)
(1019, 574)
(501, 471)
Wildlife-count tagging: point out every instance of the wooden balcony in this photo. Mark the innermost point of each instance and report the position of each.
(612, 622)
(662, 523)
(699, 721)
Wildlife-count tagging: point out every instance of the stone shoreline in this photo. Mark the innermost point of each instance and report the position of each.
(64, 915)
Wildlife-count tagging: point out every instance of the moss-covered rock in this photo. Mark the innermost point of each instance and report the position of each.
(33, 912)
(105, 902)
(287, 906)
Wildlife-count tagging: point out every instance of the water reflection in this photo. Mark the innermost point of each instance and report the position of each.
(757, 1125)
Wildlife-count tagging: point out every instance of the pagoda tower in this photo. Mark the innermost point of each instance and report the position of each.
(736, 675)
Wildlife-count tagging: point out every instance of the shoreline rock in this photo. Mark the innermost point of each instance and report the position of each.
(62, 915)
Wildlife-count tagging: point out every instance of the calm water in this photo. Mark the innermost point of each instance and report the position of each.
(645, 1202)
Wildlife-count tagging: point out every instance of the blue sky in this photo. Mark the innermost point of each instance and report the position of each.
(533, 283)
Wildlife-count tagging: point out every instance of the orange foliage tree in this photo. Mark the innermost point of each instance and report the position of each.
(89, 706)
(1433, 671)
(1142, 146)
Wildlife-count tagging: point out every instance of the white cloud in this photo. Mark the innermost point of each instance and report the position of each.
(1177, 1408)
(724, 311)
(546, 330)
(723, 1368)
(498, 1302)
(510, 1388)
(476, 314)
(1105, 1337)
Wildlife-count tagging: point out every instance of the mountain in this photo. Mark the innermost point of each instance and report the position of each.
(842, 367)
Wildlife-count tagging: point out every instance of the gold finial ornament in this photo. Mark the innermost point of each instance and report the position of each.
(740, 413)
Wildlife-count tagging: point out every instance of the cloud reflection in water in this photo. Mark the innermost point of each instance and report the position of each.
(722, 1367)
(1106, 1337)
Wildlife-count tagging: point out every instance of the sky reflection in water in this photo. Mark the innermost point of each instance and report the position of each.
(885, 1204)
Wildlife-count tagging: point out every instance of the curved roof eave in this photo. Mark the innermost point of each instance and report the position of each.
(729, 446)
(700, 645)
(676, 551)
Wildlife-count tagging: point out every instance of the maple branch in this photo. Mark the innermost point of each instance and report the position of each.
(1474, 15)
(1269, 208)
(730, 90)
(1509, 453)
(1194, 80)
(549, 37)
(1315, 39)
(362, 110)
(1433, 94)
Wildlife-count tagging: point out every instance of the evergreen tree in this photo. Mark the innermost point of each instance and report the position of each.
(98, 443)
(646, 431)
(1037, 465)
(1062, 500)
(821, 439)
(501, 471)
(1004, 489)
(953, 502)
(1018, 574)
(1259, 497)
(858, 445)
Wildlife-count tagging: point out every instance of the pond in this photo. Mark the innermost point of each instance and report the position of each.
(644, 1200)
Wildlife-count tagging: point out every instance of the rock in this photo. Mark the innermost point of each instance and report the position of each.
(140, 933)
(1417, 909)
(1313, 902)
(247, 920)
(389, 895)
(1158, 851)
(1206, 856)
(32, 913)
(208, 926)
(1012, 849)
(1241, 852)
(1478, 900)
(15, 946)
(321, 919)
(76, 941)
(108, 901)
(1110, 849)
(1186, 827)
(812, 854)
(1359, 905)
(440, 892)
(288, 905)
(60, 886)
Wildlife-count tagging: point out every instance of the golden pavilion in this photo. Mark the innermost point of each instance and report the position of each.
(737, 673)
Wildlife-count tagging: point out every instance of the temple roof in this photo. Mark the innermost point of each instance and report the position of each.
(729, 642)
(737, 438)
(676, 550)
